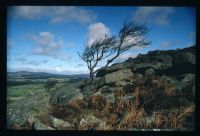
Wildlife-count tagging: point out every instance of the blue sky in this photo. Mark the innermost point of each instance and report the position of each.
(47, 38)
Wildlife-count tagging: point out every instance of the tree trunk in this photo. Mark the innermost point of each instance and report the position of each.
(91, 75)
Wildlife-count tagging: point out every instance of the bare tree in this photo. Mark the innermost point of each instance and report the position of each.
(130, 35)
(97, 51)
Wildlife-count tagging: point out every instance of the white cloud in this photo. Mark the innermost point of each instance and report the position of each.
(55, 14)
(132, 40)
(96, 31)
(137, 48)
(125, 56)
(156, 15)
(23, 60)
(46, 44)
(70, 13)
(28, 12)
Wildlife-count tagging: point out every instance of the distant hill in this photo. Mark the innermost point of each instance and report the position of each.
(27, 74)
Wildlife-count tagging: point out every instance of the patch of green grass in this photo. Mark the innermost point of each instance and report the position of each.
(13, 99)
(21, 90)
(59, 79)
(61, 84)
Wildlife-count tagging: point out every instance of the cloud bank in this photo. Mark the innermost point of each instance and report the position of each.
(156, 15)
(55, 14)
(46, 44)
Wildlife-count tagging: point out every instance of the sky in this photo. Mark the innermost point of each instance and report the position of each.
(47, 38)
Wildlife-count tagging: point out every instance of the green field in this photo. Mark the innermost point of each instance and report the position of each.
(21, 90)
(20, 86)
(24, 81)
(18, 92)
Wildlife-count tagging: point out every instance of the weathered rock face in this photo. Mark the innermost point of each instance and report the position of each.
(152, 56)
(60, 124)
(184, 57)
(110, 97)
(104, 126)
(40, 126)
(170, 56)
(188, 79)
(117, 76)
(172, 82)
(63, 95)
(149, 72)
(115, 67)
(163, 62)
(105, 83)
(142, 67)
(160, 69)
(89, 122)
(108, 89)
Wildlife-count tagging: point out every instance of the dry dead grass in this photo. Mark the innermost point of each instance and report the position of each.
(173, 119)
(123, 115)
(132, 119)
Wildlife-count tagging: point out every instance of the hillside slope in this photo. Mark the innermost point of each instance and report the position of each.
(152, 91)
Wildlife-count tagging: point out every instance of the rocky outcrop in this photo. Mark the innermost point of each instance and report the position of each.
(66, 94)
(115, 67)
(89, 122)
(149, 72)
(184, 58)
(159, 69)
(24, 109)
(188, 79)
(156, 81)
(169, 61)
(117, 76)
(163, 62)
(60, 124)
(40, 126)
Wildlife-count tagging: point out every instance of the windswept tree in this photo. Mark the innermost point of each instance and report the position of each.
(110, 47)
(100, 49)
